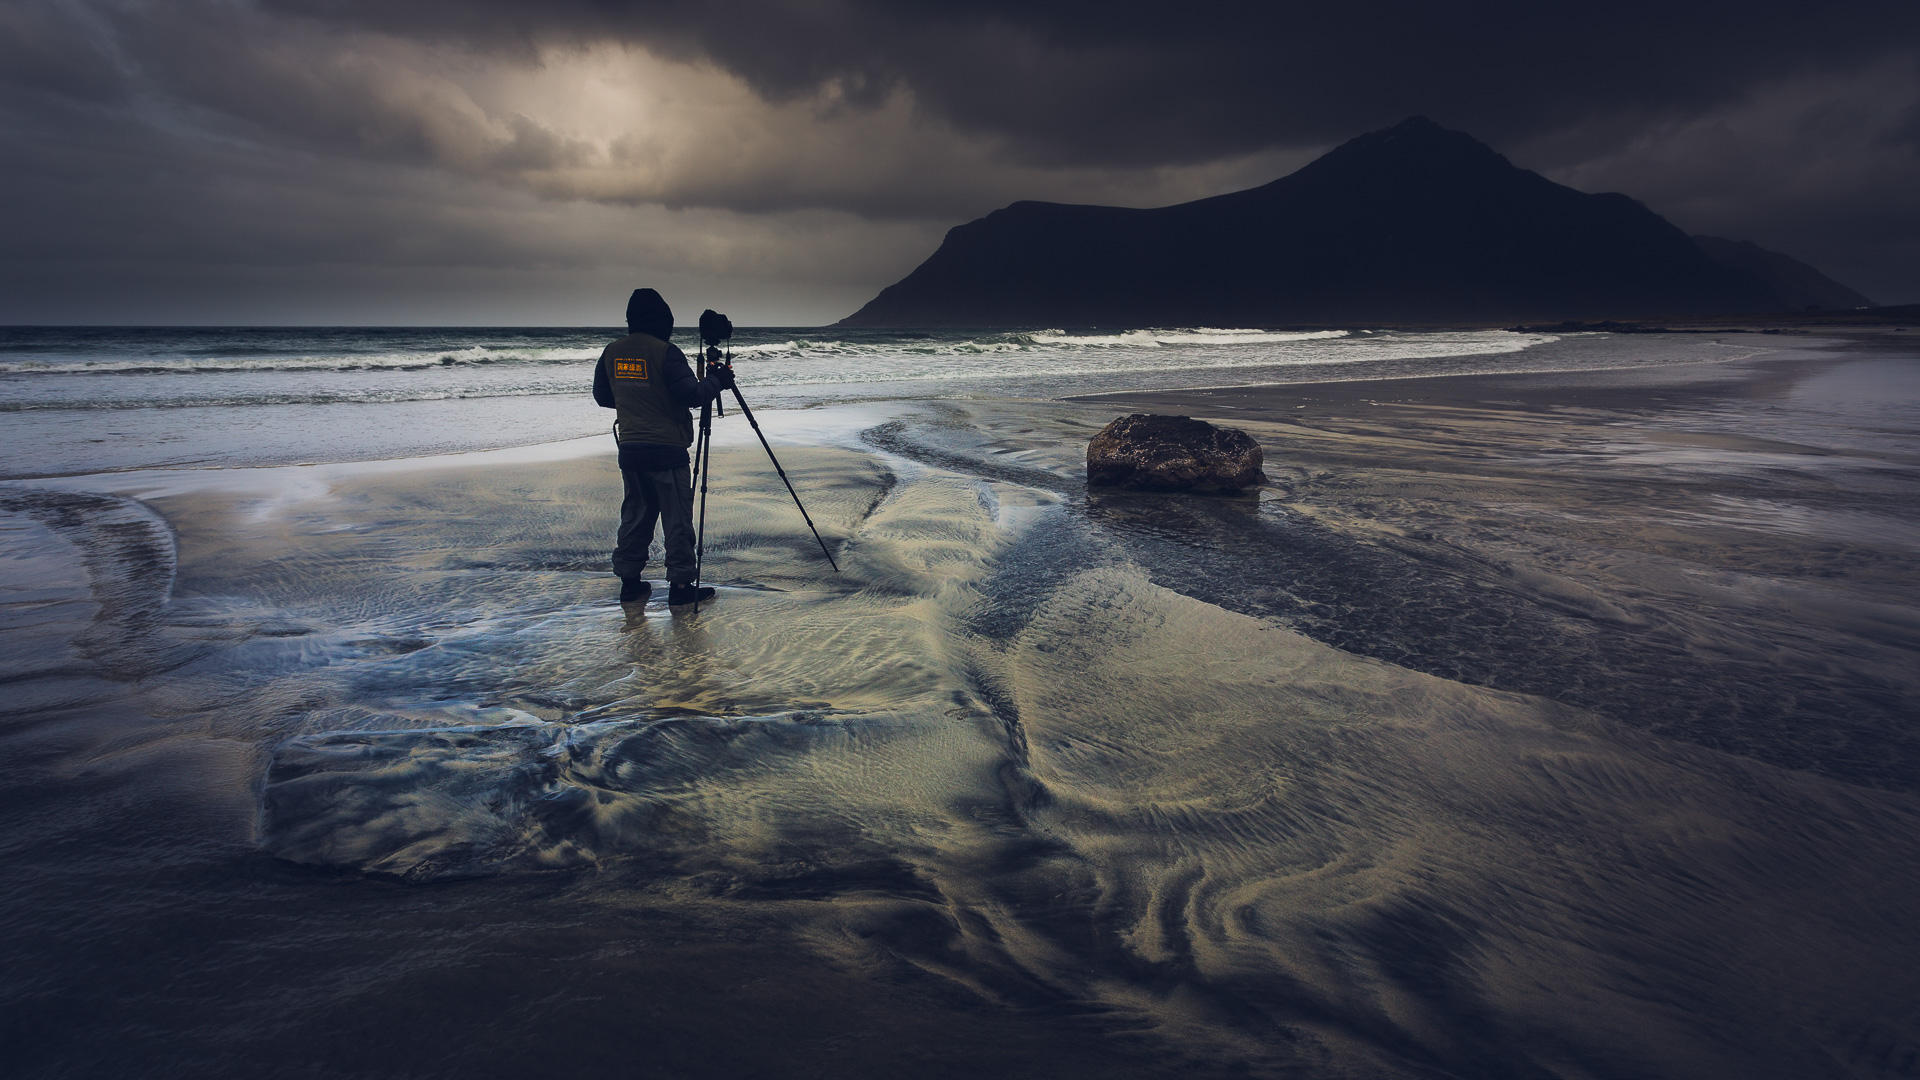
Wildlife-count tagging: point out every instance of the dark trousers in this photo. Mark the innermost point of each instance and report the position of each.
(665, 496)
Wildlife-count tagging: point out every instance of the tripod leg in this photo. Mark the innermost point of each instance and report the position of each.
(703, 468)
(748, 413)
(699, 442)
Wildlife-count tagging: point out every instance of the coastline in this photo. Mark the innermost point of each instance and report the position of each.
(68, 415)
(1637, 386)
(1520, 669)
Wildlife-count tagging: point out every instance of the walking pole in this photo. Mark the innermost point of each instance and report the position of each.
(748, 413)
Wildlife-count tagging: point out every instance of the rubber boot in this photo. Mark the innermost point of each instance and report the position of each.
(635, 590)
(680, 595)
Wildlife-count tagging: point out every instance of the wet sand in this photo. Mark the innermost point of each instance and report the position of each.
(1736, 544)
(1524, 726)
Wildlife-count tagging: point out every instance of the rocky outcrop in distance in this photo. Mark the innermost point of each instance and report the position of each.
(1173, 453)
(1412, 225)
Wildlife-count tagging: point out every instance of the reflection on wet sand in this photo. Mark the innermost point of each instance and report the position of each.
(1652, 553)
(1487, 742)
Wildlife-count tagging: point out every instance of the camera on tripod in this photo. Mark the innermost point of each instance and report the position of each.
(714, 329)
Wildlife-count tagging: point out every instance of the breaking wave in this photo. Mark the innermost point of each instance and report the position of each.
(230, 360)
(1154, 339)
(160, 368)
(427, 352)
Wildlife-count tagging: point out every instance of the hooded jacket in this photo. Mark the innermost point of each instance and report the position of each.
(647, 381)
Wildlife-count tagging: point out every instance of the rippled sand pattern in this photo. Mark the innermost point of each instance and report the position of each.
(1040, 785)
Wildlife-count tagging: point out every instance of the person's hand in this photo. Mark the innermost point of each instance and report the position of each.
(721, 374)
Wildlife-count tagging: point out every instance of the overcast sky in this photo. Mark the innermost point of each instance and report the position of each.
(491, 162)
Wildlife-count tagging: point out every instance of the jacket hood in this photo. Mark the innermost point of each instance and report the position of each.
(647, 313)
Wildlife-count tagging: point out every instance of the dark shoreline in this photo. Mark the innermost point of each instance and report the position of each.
(1613, 388)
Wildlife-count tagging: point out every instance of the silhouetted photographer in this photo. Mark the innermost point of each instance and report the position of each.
(651, 387)
(647, 381)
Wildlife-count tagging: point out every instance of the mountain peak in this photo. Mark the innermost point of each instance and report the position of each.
(1414, 139)
(1412, 224)
(1409, 125)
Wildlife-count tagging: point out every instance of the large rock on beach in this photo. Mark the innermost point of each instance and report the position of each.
(1173, 453)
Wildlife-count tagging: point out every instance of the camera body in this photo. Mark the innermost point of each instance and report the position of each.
(714, 328)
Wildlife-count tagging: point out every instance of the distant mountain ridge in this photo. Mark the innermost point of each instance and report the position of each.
(1414, 224)
(1798, 285)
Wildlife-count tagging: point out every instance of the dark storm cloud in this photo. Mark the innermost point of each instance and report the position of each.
(1583, 93)
(831, 140)
(1080, 80)
(683, 134)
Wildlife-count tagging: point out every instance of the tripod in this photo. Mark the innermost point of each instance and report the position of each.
(703, 465)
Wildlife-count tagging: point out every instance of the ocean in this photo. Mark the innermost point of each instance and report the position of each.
(188, 366)
(1549, 712)
(85, 399)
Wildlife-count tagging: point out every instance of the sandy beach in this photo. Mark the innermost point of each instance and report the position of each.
(1523, 725)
